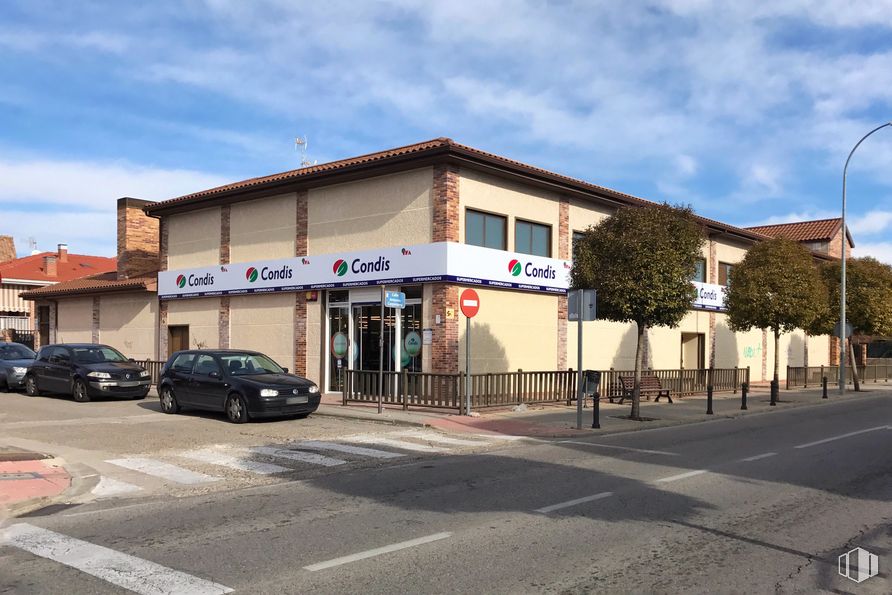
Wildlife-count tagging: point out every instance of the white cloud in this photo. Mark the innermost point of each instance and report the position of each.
(870, 223)
(882, 251)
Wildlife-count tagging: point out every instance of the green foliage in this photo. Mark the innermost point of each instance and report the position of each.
(641, 261)
(868, 297)
(777, 286)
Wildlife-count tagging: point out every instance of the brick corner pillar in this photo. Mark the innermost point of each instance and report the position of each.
(834, 351)
(446, 203)
(300, 334)
(445, 334)
(564, 253)
(301, 244)
(225, 217)
(54, 322)
(95, 328)
(162, 331)
(163, 244)
(224, 322)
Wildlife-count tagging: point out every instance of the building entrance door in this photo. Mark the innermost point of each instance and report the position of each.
(177, 338)
(692, 351)
(367, 330)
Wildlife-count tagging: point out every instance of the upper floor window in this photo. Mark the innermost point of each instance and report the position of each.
(700, 271)
(485, 229)
(725, 273)
(532, 238)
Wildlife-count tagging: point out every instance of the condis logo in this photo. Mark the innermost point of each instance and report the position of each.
(340, 267)
(181, 281)
(514, 267)
(251, 274)
(305, 261)
(406, 252)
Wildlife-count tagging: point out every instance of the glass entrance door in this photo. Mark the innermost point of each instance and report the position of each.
(367, 329)
(338, 346)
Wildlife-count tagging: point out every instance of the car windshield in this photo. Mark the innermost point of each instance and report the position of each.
(97, 355)
(8, 352)
(247, 364)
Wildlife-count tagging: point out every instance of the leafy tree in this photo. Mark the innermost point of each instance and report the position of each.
(777, 286)
(641, 261)
(868, 302)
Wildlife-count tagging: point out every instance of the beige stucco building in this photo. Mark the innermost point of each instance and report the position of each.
(286, 265)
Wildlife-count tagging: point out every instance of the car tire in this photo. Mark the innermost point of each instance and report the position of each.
(31, 388)
(4, 384)
(79, 391)
(168, 400)
(236, 410)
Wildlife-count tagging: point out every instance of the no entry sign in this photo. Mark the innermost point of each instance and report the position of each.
(469, 303)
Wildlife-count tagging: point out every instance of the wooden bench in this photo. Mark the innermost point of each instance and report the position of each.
(650, 385)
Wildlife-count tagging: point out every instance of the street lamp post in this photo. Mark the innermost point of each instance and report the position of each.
(842, 282)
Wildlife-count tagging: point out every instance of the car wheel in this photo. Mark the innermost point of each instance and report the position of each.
(31, 386)
(236, 410)
(79, 391)
(4, 384)
(168, 401)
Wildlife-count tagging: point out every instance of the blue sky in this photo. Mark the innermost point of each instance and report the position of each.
(744, 110)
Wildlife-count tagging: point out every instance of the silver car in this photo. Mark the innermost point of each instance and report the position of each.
(15, 359)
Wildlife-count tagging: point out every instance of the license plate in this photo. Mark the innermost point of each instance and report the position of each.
(295, 400)
(129, 384)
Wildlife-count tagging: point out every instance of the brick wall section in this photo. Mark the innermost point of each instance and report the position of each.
(225, 214)
(445, 335)
(834, 246)
(301, 244)
(163, 243)
(223, 322)
(7, 249)
(446, 208)
(300, 333)
(563, 252)
(138, 240)
(834, 351)
(50, 266)
(162, 331)
(95, 329)
(53, 321)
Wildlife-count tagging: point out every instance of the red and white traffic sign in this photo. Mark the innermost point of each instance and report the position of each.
(469, 303)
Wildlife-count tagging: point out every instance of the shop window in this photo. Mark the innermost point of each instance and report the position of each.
(532, 238)
(485, 229)
(338, 297)
(700, 271)
(725, 273)
(413, 292)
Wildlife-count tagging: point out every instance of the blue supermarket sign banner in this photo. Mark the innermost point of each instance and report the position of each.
(424, 263)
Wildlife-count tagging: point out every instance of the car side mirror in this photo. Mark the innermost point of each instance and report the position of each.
(286, 370)
(214, 374)
(130, 359)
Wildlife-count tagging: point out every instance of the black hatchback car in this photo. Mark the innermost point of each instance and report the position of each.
(244, 384)
(86, 371)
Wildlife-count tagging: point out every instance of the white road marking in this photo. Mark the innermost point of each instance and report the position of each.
(377, 552)
(354, 450)
(508, 437)
(758, 457)
(113, 487)
(123, 570)
(850, 434)
(224, 460)
(682, 476)
(163, 470)
(435, 437)
(296, 455)
(644, 450)
(569, 503)
(401, 444)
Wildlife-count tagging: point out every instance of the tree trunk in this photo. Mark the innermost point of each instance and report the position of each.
(776, 354)
(636, 391)
(854, 365)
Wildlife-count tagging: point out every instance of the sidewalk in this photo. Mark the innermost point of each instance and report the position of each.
(28, 480)
(558, 420)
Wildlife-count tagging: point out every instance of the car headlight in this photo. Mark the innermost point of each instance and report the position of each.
(269, 392)
(313, 389)
(145, 374)
(19, 370)
(99, 375)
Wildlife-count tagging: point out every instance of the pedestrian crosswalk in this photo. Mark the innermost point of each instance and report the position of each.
(127, 476)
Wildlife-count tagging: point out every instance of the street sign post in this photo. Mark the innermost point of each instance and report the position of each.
(582, 307)
(469, 302)
(395, 299)
(389, 299)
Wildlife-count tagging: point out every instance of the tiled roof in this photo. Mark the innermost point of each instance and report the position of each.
(96, 284)
(802, 231)
(31, 268)
(418, 151)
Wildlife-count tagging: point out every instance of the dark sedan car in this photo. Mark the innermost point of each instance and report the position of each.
(244, 384)
(86, 371)
(15, 359)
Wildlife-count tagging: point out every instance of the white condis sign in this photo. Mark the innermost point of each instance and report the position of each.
(709, 296)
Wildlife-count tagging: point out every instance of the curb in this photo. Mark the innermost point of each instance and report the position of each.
(382, 418)
(76, 487)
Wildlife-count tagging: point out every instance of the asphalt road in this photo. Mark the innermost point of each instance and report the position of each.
(764, 503)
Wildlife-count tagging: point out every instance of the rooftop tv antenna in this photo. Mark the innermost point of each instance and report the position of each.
(32, 246)
(301, 144)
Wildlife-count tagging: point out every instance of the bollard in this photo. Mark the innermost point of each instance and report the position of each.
(596, 411)
(709, 399)
(824, 387)
(774, 387)
(744, 388)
